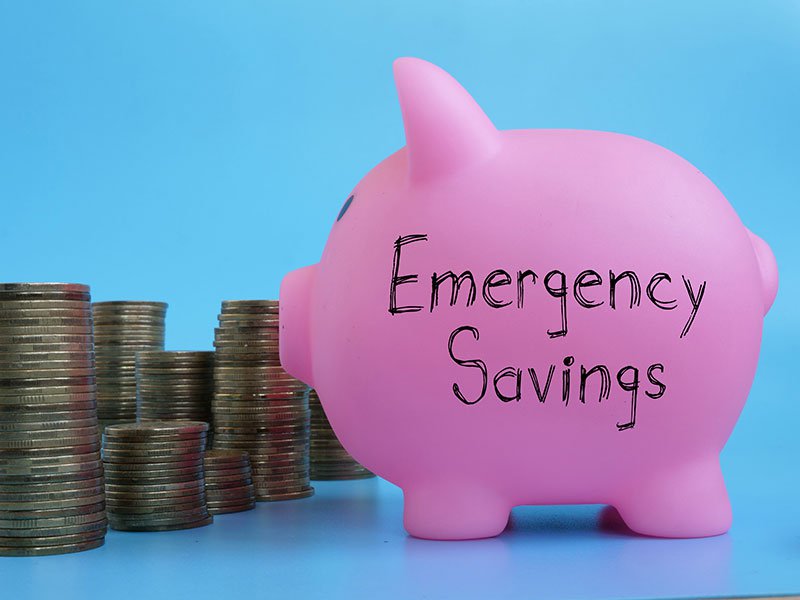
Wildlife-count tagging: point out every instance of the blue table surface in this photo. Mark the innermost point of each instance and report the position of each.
(348, 541)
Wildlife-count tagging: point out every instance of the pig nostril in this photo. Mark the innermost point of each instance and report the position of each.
(346, 205)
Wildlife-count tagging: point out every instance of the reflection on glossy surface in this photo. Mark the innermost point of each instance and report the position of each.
(347, 542)
(571, 552)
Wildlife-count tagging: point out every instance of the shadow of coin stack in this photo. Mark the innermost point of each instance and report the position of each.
(259, 407)
(51, 476)
(175, 385)
(121, 329)
(229, 481)
(154, 475)
(329, 459)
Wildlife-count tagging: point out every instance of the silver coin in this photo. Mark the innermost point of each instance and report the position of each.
(9, 325)
(28, 296)
(166, 428)
(21, 311)
(124, 304)
(141, 445)
(26, 287)
(45, 437)
(66, 521)
(178, 355)
(252, 303)
(34, 304)
(15, 332)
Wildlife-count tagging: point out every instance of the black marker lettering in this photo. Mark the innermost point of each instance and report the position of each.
(473, 364)
(696, 300)
(565, 376)
(583, 280)
(605, 382)
(401, 279)
(558, 292)
(540, 393)
(495, 279)
(655, 381)
(508, 372)
(629, 386)
(651, 292)
(521, 275)
(455, 282)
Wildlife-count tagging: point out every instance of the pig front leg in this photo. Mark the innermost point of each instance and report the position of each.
(454, 511)
(685, 501)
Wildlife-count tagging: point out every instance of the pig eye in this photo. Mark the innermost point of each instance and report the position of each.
(345, 206)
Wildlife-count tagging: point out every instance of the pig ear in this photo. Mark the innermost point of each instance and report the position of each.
(445, 127)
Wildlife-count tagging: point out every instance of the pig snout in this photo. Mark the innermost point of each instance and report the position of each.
(768, 267)
(295, 338)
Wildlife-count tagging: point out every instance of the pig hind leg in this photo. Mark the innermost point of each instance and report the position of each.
(685, 501)
(454, 512)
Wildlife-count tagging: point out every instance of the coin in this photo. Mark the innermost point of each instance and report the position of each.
(214, 457)
(73, 519)
(46, 394)
(152, 429)
(113, 496)
(35, 304)
(21, 468)
(51, 504)
(51, 478)
(259, 304)
(16, 437)
(277, 497)
(98, 526)
(52, 549)
(162, 526)
(28, 296)
(194, 484)
(33, 496)
(152, 471)
(145, 456)
(10, 322)
(214, 479)
(186, 512)
(25, 310)
(145, 472)
(176, 446)
(157, 512)
(56, 540)
(262, 460)
(46, 420)
(224, 508)
(9, 486)
(128, 304)
(37, 287)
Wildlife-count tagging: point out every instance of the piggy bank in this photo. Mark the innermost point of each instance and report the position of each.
(534, 316)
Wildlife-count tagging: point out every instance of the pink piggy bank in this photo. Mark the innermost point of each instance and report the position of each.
(519, 317)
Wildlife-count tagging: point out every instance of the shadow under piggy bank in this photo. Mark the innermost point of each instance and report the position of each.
(573, 552)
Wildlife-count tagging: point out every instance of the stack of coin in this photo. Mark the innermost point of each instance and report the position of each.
(121, 329)
(259, 407)
(229, 482)
(154, 475)
(174, 385)
(329, 459)
(51, 476)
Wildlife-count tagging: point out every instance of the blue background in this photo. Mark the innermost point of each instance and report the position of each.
(196, 151)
